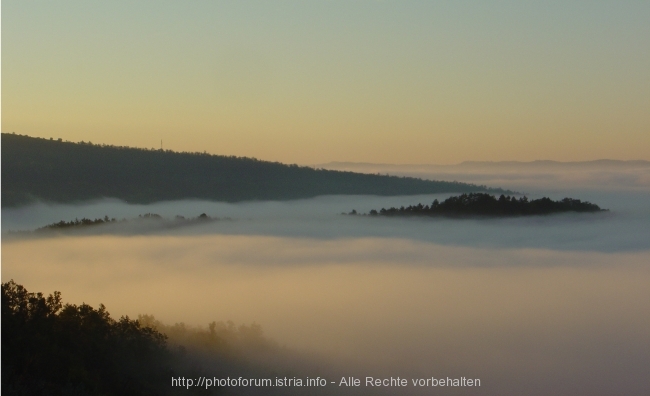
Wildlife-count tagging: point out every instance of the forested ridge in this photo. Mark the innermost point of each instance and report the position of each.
(58, 171)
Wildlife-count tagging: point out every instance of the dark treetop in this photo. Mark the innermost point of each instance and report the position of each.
(49, 348)
(481, 204)
(57, 349)
(57, 171)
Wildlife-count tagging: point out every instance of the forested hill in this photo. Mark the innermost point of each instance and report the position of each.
(57, 171)
(486, 205)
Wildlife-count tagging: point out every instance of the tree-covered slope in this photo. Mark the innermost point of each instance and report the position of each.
(56, 349)
(57, 171)
(53, 349)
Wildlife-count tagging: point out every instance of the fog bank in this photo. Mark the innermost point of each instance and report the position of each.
(531, 177)
(526, 321)
(623, 228)
(535, 305)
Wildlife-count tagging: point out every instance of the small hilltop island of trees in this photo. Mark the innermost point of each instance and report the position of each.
(76, 223)
(481, 204)
(143, 223)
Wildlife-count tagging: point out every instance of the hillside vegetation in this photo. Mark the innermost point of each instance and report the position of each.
(49, 348)
(52, 348)
(58, 171)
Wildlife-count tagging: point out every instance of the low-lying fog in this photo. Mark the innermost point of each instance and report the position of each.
(536, 176)
(623, 228)
(541, 305)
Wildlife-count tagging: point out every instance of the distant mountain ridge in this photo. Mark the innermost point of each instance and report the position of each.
(522, 176)
(570, 163)
(536, 163)
(57, 171)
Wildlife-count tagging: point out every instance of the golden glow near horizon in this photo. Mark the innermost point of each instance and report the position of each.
(314, 82)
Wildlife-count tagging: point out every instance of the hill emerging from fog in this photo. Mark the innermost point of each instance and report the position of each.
(57, 171)
(486, 205)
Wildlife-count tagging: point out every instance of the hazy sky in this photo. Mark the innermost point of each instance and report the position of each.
(311, 82)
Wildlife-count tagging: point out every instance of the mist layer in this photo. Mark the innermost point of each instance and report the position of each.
(528, 321)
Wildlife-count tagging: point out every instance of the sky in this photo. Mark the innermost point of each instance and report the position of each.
(311, 82)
